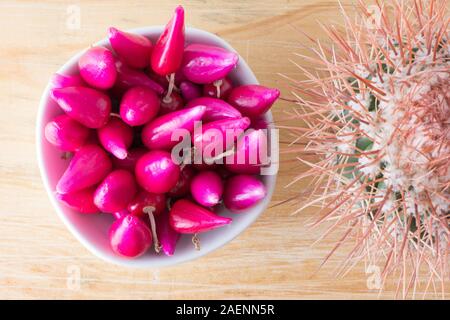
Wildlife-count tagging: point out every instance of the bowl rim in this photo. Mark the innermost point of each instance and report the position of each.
(122, 261)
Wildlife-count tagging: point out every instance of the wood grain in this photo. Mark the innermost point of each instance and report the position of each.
(273, 259)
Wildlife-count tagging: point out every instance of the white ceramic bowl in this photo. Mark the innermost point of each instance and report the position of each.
(92, 230)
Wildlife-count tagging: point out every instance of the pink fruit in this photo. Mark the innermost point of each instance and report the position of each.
(250, 153)
(81, 201)
(219, 135)
(190, 90)
(183, 184)
(139, 105)
(242, 192)
(63, 81)
(116, 137)
(171, 104)
(120, 214)
(168, 237)
(115, 191)
(218, 89)
(188, 217)
(97, 68)
(156, 172)
(146, 199)
(205, 64)
(207, 188)
(129, 236)
(89, 166)
(130, 161)
(253, 100)
(66, 133)
(216, 109)
(128, 78)
(135, 50)
(157, 134)
(168, 51)
(88, 106)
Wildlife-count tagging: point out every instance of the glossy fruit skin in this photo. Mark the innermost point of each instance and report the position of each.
(206, 64)
(115, 191)
(129, 163)
(190, 91)
(209, 138)
(62, 81)
(128, 78)
(183, 185)
(139, 105)
(216, 109)
(134, 49)
(81, 201)
(210, 90)
(129, 236)
(88, 106)
(250, 153)
(65, 133)
(97, 68)
(207, 188)
(175, 103)
(242, 192)
(157, 134)
(168, 51)
(116, 137)
(253, 100)
(146, 199)
(167, 237)
(188, 217)
(89, 166)
(156, 172)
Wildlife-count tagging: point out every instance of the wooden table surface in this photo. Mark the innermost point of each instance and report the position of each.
(275, 258)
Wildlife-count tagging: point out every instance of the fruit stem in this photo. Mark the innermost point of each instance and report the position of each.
(149, 211)
(218, 84)
(196, 242)
(167, 98)
(66, 155)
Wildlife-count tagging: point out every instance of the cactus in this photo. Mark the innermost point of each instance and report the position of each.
(375, 115)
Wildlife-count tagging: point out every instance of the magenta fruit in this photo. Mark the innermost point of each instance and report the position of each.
(129, 236)
(128, 78)
(182, 187)
(205, 64)
(65, 133)
(146, 199)
(218, 89)
(129, 163)
(168, 51)
(116, 137)
(115, 191)
(139, 105)
(88, 167)
(156, 172)
(250, 153)
(207, 188)
(157, 134)
(97, 68)
(168, 237)
(190, 91)
(135, 50)
(171, 103)
(253, 100)
(88, 106)
(81, 201)
(63, 81)
(216, 109)
(242, 192)
(188, 217)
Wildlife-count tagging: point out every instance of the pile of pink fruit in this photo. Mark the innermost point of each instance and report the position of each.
(120, 112)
